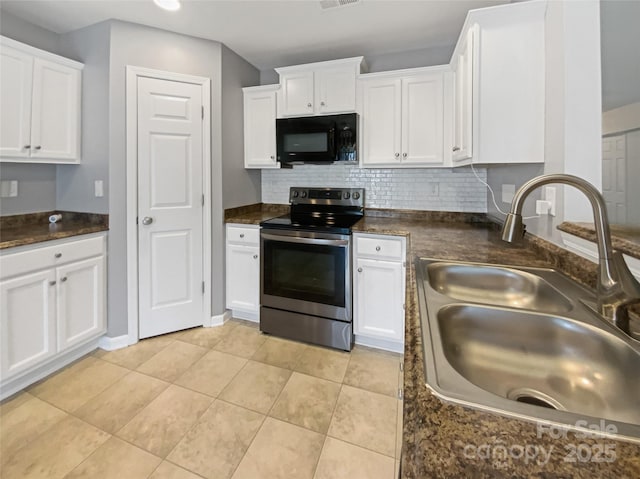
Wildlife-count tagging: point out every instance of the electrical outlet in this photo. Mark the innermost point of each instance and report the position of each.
(550, 197)
(8, 188)
(508, 192)
(98, 188)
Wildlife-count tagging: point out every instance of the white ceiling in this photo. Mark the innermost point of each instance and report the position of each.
(270, 33)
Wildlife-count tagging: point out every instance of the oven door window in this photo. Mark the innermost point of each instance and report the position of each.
(314, 273)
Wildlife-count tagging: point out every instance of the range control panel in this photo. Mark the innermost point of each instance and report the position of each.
(327, 196)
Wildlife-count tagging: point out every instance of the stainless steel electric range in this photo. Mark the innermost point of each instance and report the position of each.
(305, 267)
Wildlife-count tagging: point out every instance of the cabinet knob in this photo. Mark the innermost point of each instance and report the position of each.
(255, 256)
(241, 235)
(272, 157)
(456, 148)
(308, 105)
(359, 270)
(377, 248)
(63, 279)
(322, 103)
(58, 255)
(26, 147)
(397, 155)
(38, 147)
(52, 283)
(404, 155)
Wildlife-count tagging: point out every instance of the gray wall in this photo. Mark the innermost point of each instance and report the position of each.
(142, 46)
(240, 186)
(36, 183)
(25, 32)
(36, 188)
(75, 183)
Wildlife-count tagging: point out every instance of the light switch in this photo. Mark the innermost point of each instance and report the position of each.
(99, 189)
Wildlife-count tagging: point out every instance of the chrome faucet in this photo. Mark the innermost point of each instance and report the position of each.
(617, 287)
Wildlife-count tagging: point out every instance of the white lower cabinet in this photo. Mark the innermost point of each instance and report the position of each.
(52, 299)
(243, 271)
(379, 291)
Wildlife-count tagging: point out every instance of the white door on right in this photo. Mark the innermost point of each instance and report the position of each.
(170, 206)
(614, 177)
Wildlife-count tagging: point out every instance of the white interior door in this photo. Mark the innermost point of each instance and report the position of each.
(170, 206)
(614, 177)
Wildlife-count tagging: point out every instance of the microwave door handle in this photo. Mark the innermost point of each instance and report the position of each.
(315, 241)
(332, 142)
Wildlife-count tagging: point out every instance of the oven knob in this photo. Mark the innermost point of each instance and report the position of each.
(295, 193)
(304, 194)
(347, 195)
(356, 195)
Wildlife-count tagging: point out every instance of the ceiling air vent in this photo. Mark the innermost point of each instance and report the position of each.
(326, 4)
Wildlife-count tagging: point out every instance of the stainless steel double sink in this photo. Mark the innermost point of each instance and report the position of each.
(521, 342)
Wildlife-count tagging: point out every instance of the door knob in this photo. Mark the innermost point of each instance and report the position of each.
(147, 220)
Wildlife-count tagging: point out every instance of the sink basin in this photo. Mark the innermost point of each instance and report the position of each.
(497, 286)
(543, 360)
(522, 343)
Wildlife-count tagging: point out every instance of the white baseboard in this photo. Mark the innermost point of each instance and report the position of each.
(246, 315)
(112, 343)
(219, 319)
(380, 344)
(14, 385)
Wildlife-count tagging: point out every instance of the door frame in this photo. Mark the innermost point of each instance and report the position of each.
(132, 75)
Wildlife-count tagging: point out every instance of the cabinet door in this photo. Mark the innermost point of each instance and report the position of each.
(27, 321)
(422, 120)
(463, 102)
(81, 293)
(379, 299)
(16, 73)
(243, 278)
(55, 132)
(296, 97)
(381, 121)
(335, 90)
(260, 130)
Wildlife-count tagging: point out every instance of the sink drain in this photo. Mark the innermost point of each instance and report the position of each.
(533, 397)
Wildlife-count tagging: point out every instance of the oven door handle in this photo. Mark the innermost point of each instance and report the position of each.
(316, 241)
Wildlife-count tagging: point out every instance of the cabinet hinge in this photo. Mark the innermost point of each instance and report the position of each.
(401, 366)
(136, 220)
(404, 306)
(202, 200)
(399, 393)
(202, 112)
(203, 287)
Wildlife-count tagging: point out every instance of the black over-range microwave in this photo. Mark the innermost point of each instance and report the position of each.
(317, 139)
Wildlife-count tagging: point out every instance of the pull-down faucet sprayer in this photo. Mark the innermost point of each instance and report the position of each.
(617, 287)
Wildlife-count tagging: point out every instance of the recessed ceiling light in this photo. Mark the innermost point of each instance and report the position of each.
(171, 5)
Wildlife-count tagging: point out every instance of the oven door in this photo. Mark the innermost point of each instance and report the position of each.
(306, 272)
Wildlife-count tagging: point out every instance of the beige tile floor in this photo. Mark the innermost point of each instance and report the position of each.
(217, 403)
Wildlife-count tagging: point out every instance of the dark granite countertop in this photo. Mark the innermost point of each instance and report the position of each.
(254, 214)
(625, 239)
(19, 230)
(444, 440)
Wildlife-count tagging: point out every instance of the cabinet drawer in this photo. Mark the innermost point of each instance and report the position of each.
(246, 235)
(382, 248)
(50, 256)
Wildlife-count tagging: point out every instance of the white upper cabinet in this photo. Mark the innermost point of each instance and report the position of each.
(40, 104)
(499, 88)
(463, 100)
(403, 118)
(319, 88)
(260, 127)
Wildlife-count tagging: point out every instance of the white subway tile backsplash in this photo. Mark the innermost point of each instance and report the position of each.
(435, 189)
